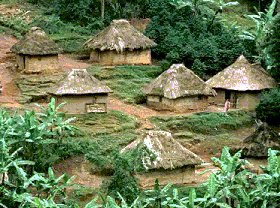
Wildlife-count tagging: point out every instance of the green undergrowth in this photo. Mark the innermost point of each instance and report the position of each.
(127, 81)
(204, 123)
(99, 135)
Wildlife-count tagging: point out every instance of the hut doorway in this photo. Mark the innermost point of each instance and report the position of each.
(232, 96)
(227, 94)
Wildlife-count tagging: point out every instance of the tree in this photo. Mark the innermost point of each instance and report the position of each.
(272, 43)
(219, 5)
(262, 21)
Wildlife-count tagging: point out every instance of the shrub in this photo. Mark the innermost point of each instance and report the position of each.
(268, 109)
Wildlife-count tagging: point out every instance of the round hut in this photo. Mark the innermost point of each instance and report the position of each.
(178, 89)
(120, 43)
(242, 83)
(81, 93)
(165, 159)
(36, 53)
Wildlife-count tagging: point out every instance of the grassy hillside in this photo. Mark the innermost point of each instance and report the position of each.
(127, 81)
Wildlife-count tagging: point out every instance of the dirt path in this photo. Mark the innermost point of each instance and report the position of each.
(140, 112)
(10, 92)
(67, 63)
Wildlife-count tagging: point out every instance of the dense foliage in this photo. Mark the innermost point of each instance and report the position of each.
(38, 134)
(272, 40)
(193, 37)
(268, 109)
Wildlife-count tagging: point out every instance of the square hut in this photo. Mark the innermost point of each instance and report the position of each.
(178, 89)
(36, 53)
(163, 158)
(242, 83)
(82, 93)
(120, 43)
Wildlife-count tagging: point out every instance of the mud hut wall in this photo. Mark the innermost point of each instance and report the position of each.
(179, 104)
(185, 175)
(126, 57)
(103, 98)
(41, 64)
(247, 100)
(76, 104)
(95, 56)
(154, 101)
(219, 99)
(20, 61)
(186, 103)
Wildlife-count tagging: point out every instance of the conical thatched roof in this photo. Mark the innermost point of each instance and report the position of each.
(80, 82)
(242, 76)
(165, 151)
(35, 42)
(178, 81)
(119, 35)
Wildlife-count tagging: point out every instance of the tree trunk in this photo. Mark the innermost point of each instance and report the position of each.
(102, 8)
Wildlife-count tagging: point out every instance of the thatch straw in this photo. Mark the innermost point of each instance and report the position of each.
(178, 81)
(167, 152)
(35, 42)
(119, 36)
(242, 76)
(80, 82)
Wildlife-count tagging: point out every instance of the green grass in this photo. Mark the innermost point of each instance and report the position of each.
(127, 81)
(203, 123)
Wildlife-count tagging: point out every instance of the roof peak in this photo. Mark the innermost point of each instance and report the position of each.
(169, 153)
(120, 21)
(78, 82)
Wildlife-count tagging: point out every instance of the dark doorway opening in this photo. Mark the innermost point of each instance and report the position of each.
(227, 94)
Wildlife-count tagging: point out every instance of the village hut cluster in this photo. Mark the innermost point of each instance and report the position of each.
(176, 89)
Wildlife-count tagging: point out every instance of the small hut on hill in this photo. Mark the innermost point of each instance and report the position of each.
(242, 83)
(178, 89)
(82, 93)
(120, 43)
(36, 52)
(166, 160)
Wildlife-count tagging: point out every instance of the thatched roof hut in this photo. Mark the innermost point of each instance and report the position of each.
(242, 76)
(35, 42)
(120, 43)
(167, 153)
(120, 35)
(80, 82)
(82, 93)
(36, 53)
(174, 86)
(164, 159)
(242, 83)
(178, 81)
